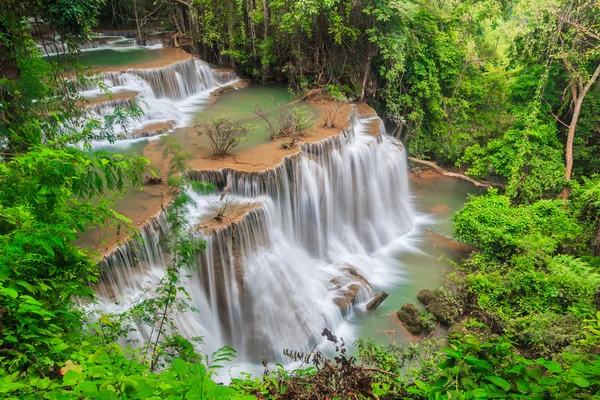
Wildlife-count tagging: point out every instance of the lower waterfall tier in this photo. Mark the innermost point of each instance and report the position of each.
(301, 260)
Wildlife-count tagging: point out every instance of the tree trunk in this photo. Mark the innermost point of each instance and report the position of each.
(265, 68)
(366, 75)
(140, 39)
(266, 19)
(377, 300)
(578, 91)
(569, 147)
(230, 31)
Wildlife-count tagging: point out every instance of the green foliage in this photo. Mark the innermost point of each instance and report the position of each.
(476, 368)
(504, 231)
(173, 161)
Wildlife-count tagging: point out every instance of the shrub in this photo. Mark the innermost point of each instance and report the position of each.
(291, 124)
(223, 135)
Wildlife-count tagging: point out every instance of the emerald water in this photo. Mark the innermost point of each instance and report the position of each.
(116, 57)
(424, 264)
(239, 105)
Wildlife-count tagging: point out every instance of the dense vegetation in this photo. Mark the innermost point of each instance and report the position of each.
(498, 89)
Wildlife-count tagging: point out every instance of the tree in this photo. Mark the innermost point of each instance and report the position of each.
(173, 161)
(578, 34)
(567, 33)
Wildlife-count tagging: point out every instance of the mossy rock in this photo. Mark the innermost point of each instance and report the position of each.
(444, 308)
(426, 296)
(410, 317)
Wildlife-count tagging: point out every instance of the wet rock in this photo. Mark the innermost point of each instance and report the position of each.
(349, 294)
(410, 317)
(439, 209)
(442, 311)
(223, 89)
(349, 285)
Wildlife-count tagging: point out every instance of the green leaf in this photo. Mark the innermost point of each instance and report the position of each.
(88, 388)
(452, 353)
(478, 362)
(500, 382)
(581, 382)
(522, 386)
(552, 366)
(9, 292)
(72, 378)
(179, 366)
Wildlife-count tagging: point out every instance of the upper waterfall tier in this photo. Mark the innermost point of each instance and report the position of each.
(270, 280)
(167, 94)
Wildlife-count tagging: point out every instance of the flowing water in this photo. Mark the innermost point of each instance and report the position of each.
(169, 96)
(334, 219)
(269, 283)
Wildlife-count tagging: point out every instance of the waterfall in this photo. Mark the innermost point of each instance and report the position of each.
(166, 94)
(274, 278)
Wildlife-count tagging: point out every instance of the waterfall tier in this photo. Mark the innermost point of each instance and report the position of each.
(274, 278)
(171, 93)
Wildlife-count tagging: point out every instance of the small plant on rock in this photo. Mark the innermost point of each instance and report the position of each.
(174, 160)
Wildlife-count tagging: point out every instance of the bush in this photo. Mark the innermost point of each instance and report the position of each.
(223, 134)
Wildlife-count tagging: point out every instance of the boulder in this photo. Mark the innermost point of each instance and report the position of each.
(440, 209)
(410, 317)
(443, 311)
(348, 295)
(426, 296)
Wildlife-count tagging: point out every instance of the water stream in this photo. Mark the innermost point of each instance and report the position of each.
(337, 217)
(327, 215)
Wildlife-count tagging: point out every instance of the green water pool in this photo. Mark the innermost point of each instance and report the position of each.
(239, 105)
(118, 57)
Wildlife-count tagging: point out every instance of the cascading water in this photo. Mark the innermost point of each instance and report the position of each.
(173, 93)
(272, 280)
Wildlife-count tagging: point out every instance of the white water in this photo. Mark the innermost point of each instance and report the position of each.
(266, 283)
(171, 94)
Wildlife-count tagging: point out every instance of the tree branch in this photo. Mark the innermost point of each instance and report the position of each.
(577, 26)
(456, 175)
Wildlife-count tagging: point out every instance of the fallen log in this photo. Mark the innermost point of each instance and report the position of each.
(456, 175)
(377, 300)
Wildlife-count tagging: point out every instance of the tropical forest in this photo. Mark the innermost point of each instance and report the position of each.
(299, 199)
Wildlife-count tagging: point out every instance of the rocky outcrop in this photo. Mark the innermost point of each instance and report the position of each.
(439, 306)
(223, 89)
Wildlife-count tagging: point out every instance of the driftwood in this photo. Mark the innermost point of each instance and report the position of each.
(377, 300)
(457, 175)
